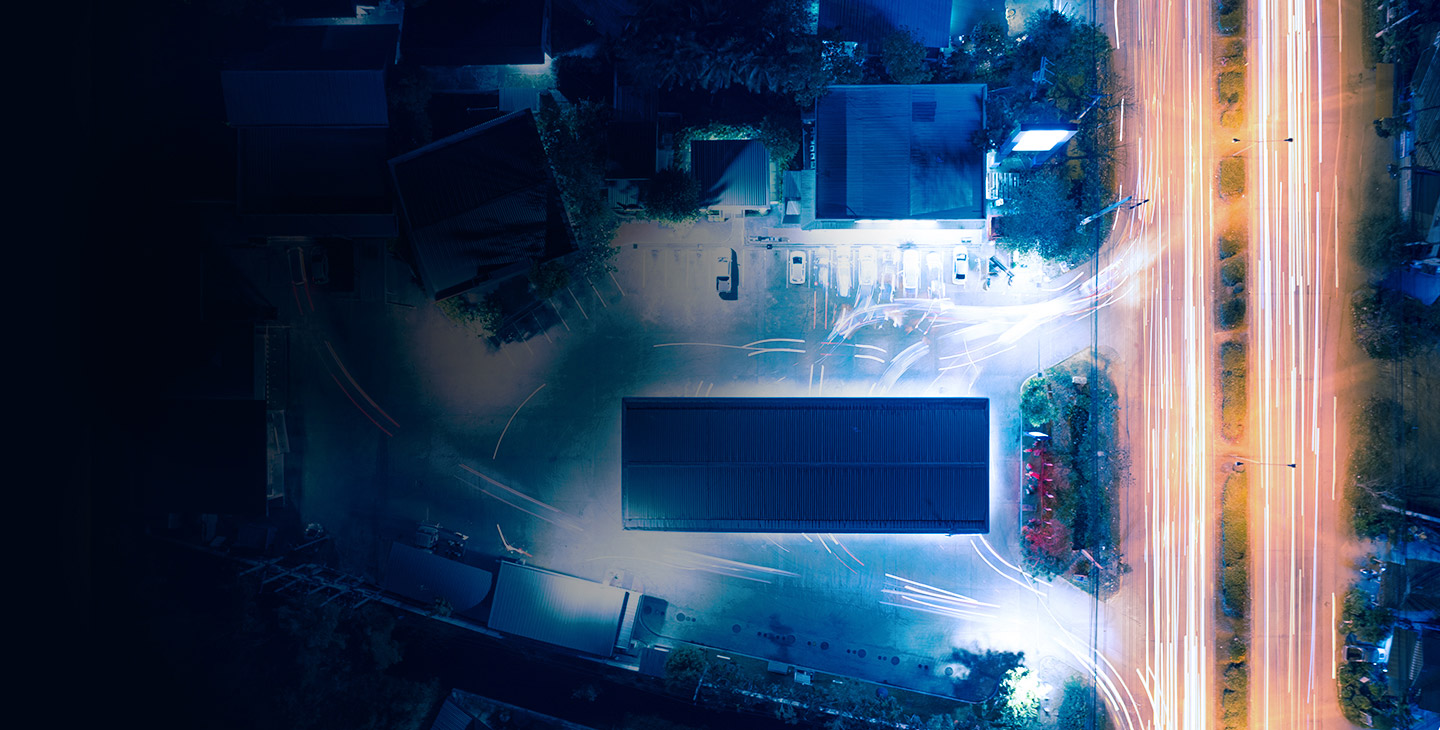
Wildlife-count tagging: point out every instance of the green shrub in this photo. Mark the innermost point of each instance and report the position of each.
(1232, 241)
(1234, 519)
(1368, 623)
(1237, 678)
(1230, 86)
(1232, 272)
(1232, 389)
(1234, 705)
(1232, 119)
(1237, 648)
(1378, 240)
(1232, 22)
(1235, 589)
(1232, 313)
(1232, 177)
(1037, 408)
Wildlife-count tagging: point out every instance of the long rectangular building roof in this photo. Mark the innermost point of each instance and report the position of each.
(873, 465)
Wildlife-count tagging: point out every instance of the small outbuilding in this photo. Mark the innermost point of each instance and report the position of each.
(553, 608)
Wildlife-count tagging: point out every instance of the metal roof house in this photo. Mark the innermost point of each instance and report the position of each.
(423, 577)
(312, 118)
(553, 608)
(480, 205)
(851, 465)
(469, 33)
(732, 173)
(870, 21)
(888, 153)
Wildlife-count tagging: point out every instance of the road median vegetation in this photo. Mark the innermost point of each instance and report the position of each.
(1233, 398)
(1072, 474)
(1232, 632)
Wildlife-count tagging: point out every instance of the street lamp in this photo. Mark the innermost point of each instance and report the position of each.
(1239, 465)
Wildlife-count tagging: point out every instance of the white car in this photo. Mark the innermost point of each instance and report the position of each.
(962, 264)
(797, 267)
(937, 282)
(910, 270)
(843, 273)
(725, 274)
(867, 266)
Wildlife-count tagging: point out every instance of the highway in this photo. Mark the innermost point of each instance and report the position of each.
(1299, 54)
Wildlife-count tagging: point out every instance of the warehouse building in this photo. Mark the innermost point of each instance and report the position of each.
(846, 465)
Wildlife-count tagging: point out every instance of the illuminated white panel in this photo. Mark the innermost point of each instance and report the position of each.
(1040, 140)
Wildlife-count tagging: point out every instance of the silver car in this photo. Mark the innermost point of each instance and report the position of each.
(868, 266)
(798, 263)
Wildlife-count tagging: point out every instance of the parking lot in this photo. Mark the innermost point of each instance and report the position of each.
(525, 440)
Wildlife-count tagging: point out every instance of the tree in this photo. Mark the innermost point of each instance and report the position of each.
(1378, 240)
(548, 278)
(904, 58)
(1036, 407)
(1232, 272)
(1047, 543)
(1043, 218)
(843, 63)
(1232, 241)
(673, 197)
(1232, 313)
(1390, 325)
(763, 46)
(574, 137)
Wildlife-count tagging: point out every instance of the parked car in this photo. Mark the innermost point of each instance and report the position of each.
(725, 275)
(937, 281)
(798, 262)
(867, 266)
(962, 264)
(910, 271)
(296, 257)
(319, 267)
(1364, 653)
(843, 273)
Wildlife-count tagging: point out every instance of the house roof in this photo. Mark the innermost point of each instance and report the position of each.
(877, 465)
(313, 75)
(480, 203)
(423, 576)
(900, 152)
(290, 170)
(558, 609)
(203, 456)
(869, 21)
(471, 33)
(731, 171)
(452, 717)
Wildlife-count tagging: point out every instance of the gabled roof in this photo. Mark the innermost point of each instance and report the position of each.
(423, 576)
(313, 75)
(558, 609)
(473, 33)
(870, 21)
(892, 152)
(296, 170)
(731, 171)
(480, 203)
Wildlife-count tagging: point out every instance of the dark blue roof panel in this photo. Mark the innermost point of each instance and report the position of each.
(869, 21)
(304, 170)
(731, 172)
(470, 33)
(423, 577)
(313, 75)
(900, 152)
(806, 464)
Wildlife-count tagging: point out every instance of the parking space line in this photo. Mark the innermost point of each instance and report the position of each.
(542, 327)
(617, 283)
(598, 295)
(577, 302)
(558, 314)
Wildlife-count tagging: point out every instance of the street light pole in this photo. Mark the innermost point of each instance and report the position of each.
(1241, 463)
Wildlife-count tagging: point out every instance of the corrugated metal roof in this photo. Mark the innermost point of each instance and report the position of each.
(469, 33)
(869, 21)
(423, 576)
(557, 609)
(731, 171)
(877, 156)
(451, 717)
(806, 464)
(480, 202)
(313, 170)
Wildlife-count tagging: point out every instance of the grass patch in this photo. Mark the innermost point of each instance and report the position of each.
(1230, 86)
(1232, 241)
(1233, 119)
(1232, 177)
(1232, 272)
(1232, 312)
(1232, 390)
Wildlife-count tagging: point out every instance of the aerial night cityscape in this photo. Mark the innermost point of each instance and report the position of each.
(685, 364)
